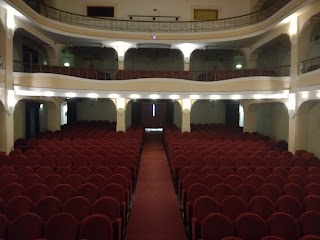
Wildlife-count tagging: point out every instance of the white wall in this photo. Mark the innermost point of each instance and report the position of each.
(91, 109)
(182, 8)
(272, 120)
(313, 129)
(153, 59)
(19, 120)
(206, 111)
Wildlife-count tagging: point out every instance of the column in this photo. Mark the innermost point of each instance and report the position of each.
(53, 54)
(292, 98)
(121, 48)
(251, 57)
(54, 115)
(9, 100)
(249, 122)
(186, 49)
(121, 114)
(186, 112)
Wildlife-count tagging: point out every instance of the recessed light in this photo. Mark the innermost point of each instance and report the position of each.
(114, 95)
(134, 96)
(194, 96)
(71, 94)
(154, 96)
(93, 95)
(215, 97)
(235, 97)
(174, 96)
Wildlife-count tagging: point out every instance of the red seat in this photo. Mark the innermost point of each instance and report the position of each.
(297, 179)
(255, 181)
(47, 207)
(37, 192)
(85, 172)
(4, 223)
(233, 181)
(294, 190)
(221, 191)
(262, 172)
(110, 207)
(74, 180)
(52, 181)
(233, 206)
(276, 180)
(96, 227)
(202, 207)
(79, 207)
(250, 226)
(283, 225)
(243, 172)
(18, 206)
(290, 206)
(261, 206)
(309, 223)
(30, 180)
(64, 171)
(27, 226)
(312, 203)
(246, 192)
(270, 191)
(62, 226)
(89, 191)
(63, 192)
(105, 171)
(98, 180)
(11, 191)
(216, 226)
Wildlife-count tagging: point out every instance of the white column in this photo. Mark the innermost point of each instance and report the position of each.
(249, 122)
(121, 114)
(186, 113)
(53, 54)
(251, 57)
(54, 115)
(121, 48)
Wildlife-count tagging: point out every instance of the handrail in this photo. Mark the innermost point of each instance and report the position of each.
(159, 26)
(309, 65)
(115, 74)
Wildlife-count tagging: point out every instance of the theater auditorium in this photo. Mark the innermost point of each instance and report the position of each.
(159, 120)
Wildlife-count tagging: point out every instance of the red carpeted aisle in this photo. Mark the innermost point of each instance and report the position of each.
(155, 212)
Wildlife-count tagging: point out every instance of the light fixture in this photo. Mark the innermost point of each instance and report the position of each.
(48, 94)
(177, 18)
(92, 95)
(239, 66)
(130, 17)
(154, 96)
(134, 96)
(291, 103)
(293, 28)
(66, 64)
(215, 97)
(71, 94)
(194, 96)
(235, 97)
(257, 96)
(154, 18)
(154, 37)
(41, 106)
(174, 96)
(318, 95)
(10, 20)
(113, 95)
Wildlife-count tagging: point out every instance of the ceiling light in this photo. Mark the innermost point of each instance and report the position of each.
(257, 96)
(66, 64)
(134, 96)
(113, 95)
(215, 97)
(194, 96)
(48, 94)
(93, 95)
(154, 96)
(71, 94)
(235, 97)
(174, 96)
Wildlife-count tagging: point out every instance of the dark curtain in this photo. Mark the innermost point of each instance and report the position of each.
(136, 113)
(150, 121)
(72, 111)
(232, 113)
(32, 119)
(170, 112)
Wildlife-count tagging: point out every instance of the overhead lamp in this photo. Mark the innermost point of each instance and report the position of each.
(239, 66)
(66, 64)
(154, 96)
(48, 93)
(235, 97)
(257, 96)
(71, 94)
(215, 97)
(174, 96)
(114, 95)
(305, 95)
(93, 95)
(134, 96)
(194, 96)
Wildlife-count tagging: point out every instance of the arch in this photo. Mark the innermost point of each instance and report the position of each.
(154, 59)
(177, 115)
(208, 111)
(271, 119)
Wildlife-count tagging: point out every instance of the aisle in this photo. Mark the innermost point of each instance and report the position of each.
(155, 212)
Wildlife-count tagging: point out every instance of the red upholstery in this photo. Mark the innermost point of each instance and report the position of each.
(96, 227)
(216, 226)
(250, 226)
(79, 207)
(283, 225)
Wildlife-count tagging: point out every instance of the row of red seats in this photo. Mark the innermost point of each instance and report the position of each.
(61, 226)
(280, 226)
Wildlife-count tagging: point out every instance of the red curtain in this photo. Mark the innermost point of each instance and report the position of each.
(156, 121)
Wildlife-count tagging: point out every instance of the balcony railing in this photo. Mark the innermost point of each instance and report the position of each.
(309, 65)
(158, 26)
(114, 74)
